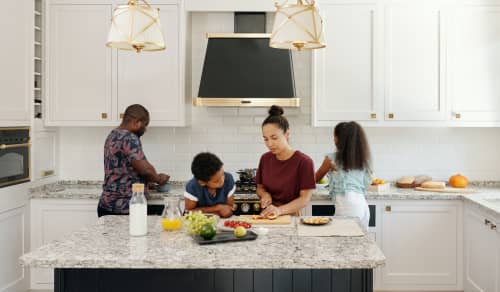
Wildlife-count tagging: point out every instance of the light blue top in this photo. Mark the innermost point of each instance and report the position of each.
(341, 181)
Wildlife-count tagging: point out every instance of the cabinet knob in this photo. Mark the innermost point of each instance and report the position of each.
(373, 115)
(388, 208)
(104, 115)
(458, 115)
(493, 227)
(391, 116)
(122, 115)
(487, 222)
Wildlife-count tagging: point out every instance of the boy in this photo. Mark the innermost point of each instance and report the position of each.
(211, 190)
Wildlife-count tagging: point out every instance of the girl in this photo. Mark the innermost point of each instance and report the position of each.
(349, 171)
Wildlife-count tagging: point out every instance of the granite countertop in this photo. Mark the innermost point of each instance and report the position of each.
(108, 245)
(486, 195)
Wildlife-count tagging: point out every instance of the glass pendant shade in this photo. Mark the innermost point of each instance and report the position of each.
(136, 27)
(297, 26)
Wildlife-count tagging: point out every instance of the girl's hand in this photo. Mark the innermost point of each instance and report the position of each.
(265, 200)
(271, 210)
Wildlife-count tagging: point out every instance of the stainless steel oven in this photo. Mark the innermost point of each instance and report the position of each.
(14, 156)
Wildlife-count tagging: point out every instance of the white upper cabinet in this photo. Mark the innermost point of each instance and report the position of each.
(476, 64)
(80, 66)
(414, 61)
(154, 79)
(16, 59)
(91, 84)
(345, 72)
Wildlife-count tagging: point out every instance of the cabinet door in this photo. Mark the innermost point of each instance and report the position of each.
(13, 227)
(420, 244)
(80, 65)
(345, 72)
(481, 248)
(52, 220)
(153, 78)
(16, 59)
(476, 65)
(414, 62)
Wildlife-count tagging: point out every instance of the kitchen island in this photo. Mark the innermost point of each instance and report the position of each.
(103, 257)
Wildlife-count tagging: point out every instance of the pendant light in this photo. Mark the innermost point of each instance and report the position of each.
(136, 27)
(297, 26)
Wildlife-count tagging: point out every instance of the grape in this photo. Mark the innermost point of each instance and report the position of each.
(195, 220)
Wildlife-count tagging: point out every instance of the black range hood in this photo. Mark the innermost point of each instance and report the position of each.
(240, 69)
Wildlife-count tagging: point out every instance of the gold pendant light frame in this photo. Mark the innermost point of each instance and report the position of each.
(130, 37)
(315, 32)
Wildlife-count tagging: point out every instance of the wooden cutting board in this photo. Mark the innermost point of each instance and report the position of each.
(281, 220)
(446, 190)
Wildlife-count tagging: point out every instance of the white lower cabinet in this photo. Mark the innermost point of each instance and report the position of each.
(482, 251)
(422, 241)
(52, 219)
(13, 239)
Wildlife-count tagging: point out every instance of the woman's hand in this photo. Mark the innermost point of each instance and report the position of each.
(271, 210)
(265, 200)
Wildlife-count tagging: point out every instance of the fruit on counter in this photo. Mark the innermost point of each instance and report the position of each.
(377, 181)
(234, 224)
(323, 181)
(270, 217)
(240, 231)
(207, 231)
(193, 221)
(433, 185)
(171, 223)
(458, 181)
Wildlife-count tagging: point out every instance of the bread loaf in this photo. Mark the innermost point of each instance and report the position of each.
(406, 182)
(433, 185)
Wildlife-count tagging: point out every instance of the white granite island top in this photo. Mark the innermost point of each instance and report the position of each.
(108, 245)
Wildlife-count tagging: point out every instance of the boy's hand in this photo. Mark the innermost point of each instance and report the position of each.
(265, 200)
(225, 211)
(163, 178)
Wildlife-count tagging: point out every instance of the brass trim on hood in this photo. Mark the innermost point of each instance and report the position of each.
(232, 35)
(246, 102)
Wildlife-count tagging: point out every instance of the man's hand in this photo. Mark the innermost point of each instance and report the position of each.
(163, 178)
(265, 200)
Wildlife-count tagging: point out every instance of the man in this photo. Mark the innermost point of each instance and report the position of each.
(125, 163)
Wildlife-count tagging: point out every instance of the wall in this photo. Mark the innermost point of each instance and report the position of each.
(234, 133)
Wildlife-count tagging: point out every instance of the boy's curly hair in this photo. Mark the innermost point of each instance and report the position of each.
(205, 165)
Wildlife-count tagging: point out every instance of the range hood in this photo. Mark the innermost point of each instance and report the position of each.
(241, 70)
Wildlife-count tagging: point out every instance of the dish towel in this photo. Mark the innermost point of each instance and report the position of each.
(337, 227)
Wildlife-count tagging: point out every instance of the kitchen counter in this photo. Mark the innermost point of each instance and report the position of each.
(486, 197)
(107, 244)
(106, 254)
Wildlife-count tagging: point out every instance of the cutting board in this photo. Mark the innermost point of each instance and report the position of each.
(281, 220)
(446, 190)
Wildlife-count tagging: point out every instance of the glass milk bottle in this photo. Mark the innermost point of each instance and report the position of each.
(138, 218)
(171, 218)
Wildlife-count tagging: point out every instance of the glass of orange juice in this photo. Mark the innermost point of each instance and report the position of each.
(171, 218)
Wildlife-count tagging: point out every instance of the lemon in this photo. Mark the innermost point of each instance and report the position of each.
(323, 181)
(240, 231)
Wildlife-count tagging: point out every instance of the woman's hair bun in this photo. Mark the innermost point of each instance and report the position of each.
(276, 110)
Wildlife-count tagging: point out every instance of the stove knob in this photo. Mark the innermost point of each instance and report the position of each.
(235, 207)
(245, 208)
(256, 207)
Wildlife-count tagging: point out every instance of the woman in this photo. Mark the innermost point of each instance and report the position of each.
(285, 177)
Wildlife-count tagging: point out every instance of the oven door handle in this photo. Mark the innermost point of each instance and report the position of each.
(5, 146)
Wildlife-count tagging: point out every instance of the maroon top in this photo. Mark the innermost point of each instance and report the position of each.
(284, 179)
